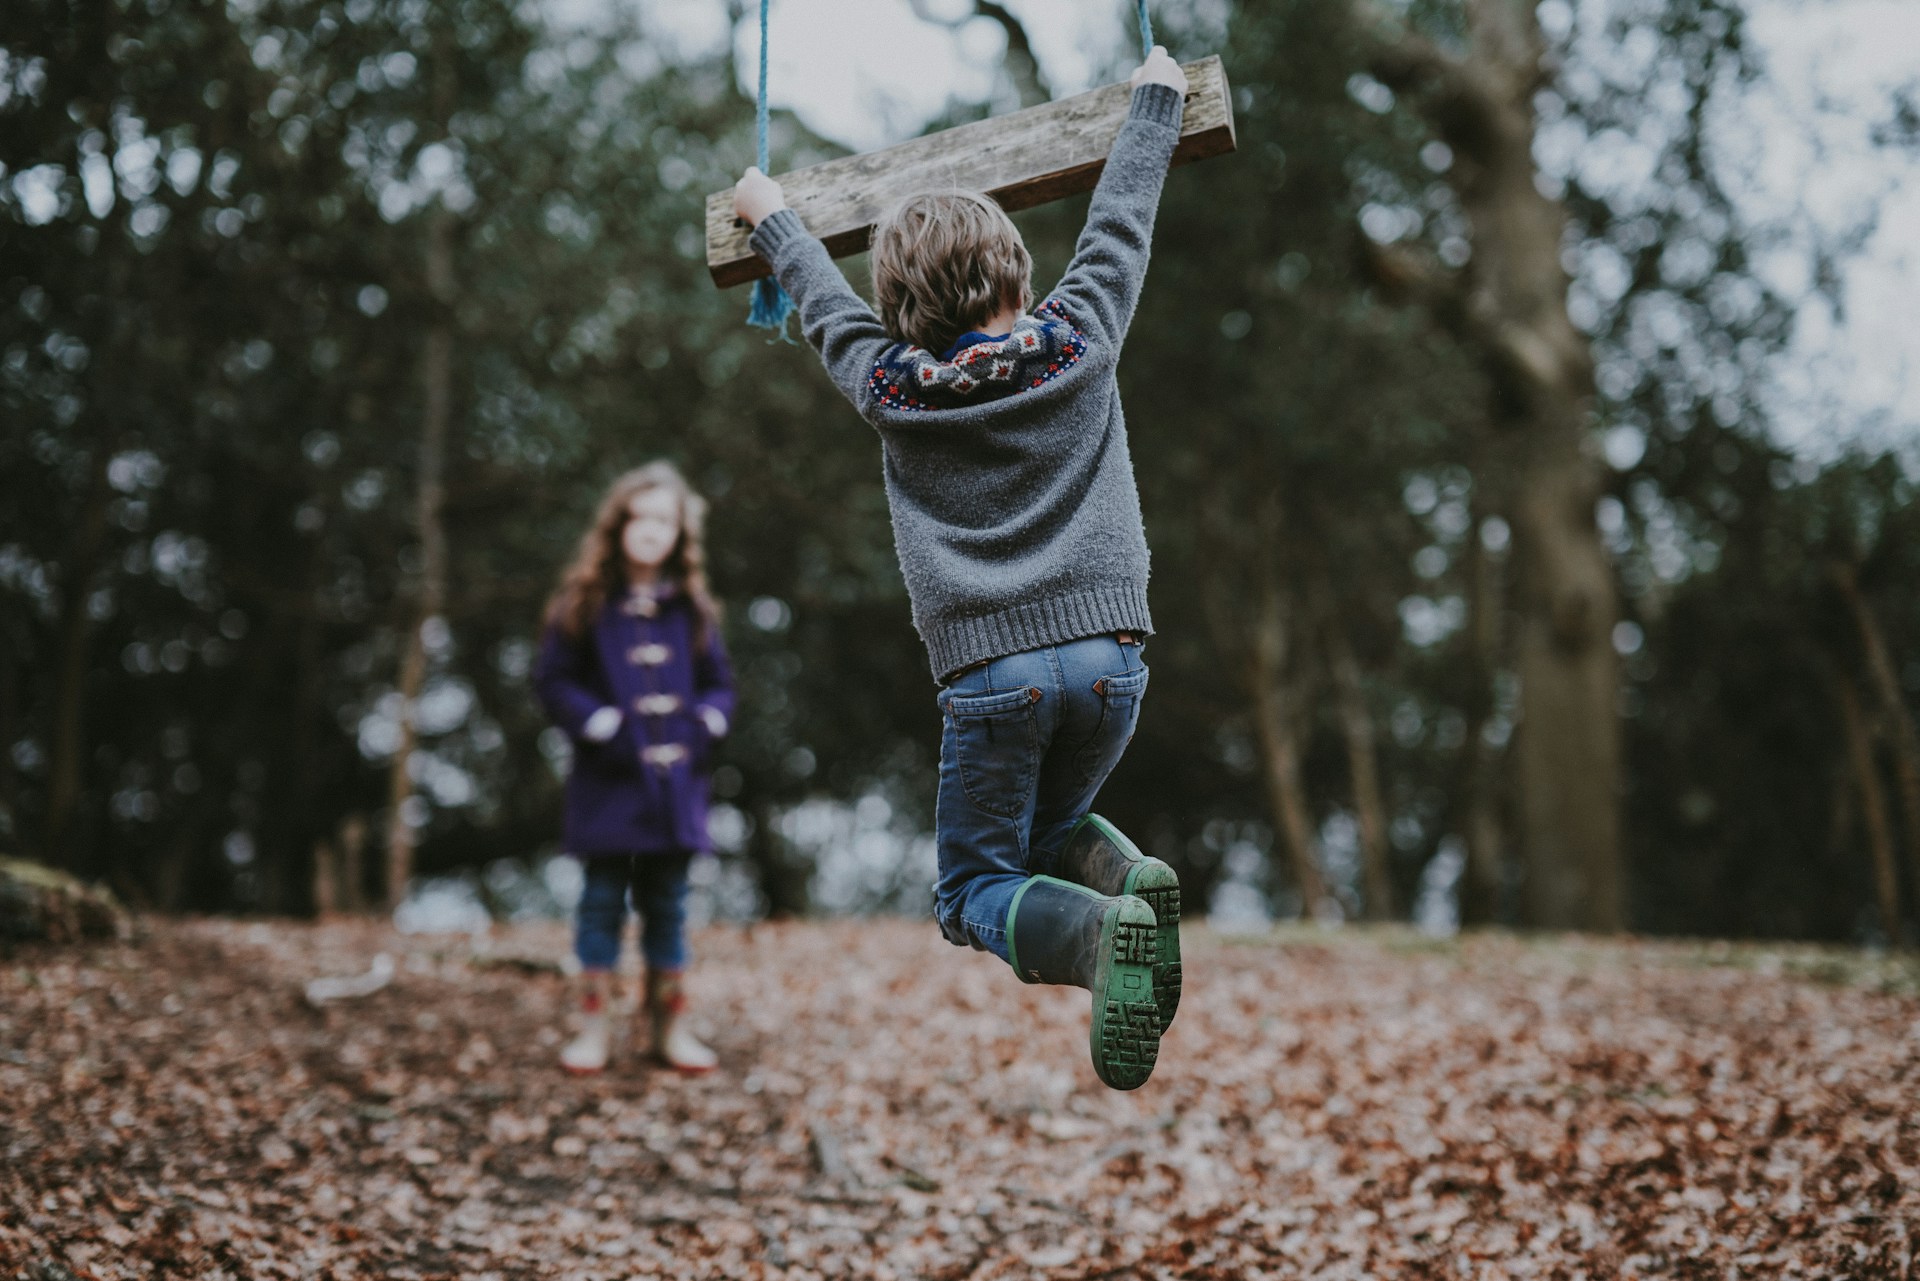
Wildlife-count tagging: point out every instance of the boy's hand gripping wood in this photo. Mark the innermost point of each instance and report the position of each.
(757, 197)
(1024, 159)
(1159, 69)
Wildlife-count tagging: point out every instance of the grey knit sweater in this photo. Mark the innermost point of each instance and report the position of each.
(1015, 514)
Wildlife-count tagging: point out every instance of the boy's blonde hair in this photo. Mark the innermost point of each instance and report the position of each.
(947, 262)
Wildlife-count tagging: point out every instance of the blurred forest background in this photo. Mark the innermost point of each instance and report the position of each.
(1487, 592)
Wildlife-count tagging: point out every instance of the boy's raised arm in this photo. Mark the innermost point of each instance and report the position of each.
(1102, 283)
(835, 319)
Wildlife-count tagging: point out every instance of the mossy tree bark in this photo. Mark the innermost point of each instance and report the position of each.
(1510, 302)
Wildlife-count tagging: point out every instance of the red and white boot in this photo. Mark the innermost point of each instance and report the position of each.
(673, 1045)
(588, 1052)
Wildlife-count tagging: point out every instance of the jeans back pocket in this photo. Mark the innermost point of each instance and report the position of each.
(997, 748)
(1120, 698)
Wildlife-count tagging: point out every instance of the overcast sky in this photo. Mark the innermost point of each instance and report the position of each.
(1806, 134)
(868, 72)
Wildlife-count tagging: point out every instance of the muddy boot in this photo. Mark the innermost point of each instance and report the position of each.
(673, 1045)
(1099, 856)
(588, 1052)
(1068, 934)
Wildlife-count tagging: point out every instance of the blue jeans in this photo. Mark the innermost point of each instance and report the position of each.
(657, 884)
(1027, 742)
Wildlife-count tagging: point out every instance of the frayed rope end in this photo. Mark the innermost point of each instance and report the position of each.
(771, 307)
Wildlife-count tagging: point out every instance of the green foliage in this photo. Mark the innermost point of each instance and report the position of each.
(211, 393)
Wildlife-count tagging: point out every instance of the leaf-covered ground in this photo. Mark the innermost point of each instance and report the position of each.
(1327, 1105)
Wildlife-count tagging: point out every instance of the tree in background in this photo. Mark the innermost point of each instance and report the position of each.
(170, 262)
(1732, 551)
(1507, 300)
(226, 343)
(1273, 465)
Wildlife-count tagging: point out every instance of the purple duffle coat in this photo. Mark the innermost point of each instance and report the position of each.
(645, 790)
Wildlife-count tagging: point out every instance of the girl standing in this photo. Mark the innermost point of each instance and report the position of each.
(632, 667)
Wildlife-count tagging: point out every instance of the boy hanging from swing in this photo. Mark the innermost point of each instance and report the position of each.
(1018, 528)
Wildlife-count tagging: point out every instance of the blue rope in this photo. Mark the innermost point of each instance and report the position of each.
(1146, 28)
(760, 110)
(771, 306)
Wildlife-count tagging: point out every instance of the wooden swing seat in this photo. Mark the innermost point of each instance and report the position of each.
(1024, 159)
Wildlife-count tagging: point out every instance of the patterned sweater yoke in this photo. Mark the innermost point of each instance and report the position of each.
(1041, 348)
(1010, 486)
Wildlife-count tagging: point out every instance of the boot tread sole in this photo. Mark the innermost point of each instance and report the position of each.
(1125, 1034)
(1155, 882)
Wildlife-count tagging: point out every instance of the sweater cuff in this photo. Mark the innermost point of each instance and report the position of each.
(774, 231)
(1156, 104)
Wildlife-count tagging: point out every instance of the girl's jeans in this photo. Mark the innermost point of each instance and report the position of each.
(1027, 742)
(658, 885)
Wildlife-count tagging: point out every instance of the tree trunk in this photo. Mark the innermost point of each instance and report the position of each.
(1567, 753)
(326, 878)
(9, 735)
(1873, 806)
(67, 749)
(352, 883)
(172, 871)
(783, 880)
(1511, 304)
(1272, 699)
(1840, 816)
(1901, 735)
(436, 374)
(1363, 771)
(1483, 880)
(290, 831)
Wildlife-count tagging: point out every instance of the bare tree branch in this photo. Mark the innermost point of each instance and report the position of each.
(1022, 67)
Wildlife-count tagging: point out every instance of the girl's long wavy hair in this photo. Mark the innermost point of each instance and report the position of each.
(599, 569)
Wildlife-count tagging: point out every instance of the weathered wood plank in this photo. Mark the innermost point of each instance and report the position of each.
(1024, 159)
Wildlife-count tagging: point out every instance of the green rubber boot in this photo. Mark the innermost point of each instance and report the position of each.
(1067, 934)
(1099, 856)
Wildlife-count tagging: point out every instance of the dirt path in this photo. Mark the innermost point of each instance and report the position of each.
(1349, 1105)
